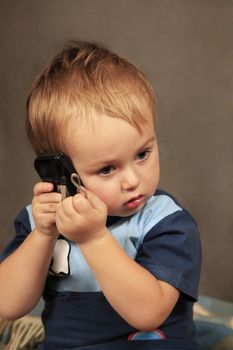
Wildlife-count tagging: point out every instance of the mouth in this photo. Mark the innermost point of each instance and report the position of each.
(135, 202)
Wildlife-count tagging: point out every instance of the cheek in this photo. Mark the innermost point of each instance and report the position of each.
(154, 183)
(106, 193)
(109, 198)
(152, 176)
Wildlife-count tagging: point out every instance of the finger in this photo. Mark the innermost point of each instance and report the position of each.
(43, 187)
(65, 214)
(82, 190)
(95, 201)
(81, 204)
(48, 208)
(52, 197)
(65, 210)
(47, 219)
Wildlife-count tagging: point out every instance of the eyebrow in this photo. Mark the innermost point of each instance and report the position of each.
(101, 163)
(106, 161)
(145, 144)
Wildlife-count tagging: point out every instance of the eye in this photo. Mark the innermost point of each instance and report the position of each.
(143, 155)
(107, 170)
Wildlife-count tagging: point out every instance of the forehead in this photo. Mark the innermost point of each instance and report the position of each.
(104, 135)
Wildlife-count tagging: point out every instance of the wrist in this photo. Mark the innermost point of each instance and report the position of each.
(95, 239)
(39, 235)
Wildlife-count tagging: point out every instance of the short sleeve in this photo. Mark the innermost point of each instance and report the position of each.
(171, 251)
(22, 229)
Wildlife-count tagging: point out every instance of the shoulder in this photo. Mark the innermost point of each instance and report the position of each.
(165, 218)
(159, 207)
(162, 211)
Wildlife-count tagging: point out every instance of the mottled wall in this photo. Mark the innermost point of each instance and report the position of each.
(185, 47)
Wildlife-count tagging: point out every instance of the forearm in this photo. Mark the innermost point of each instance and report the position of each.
(131, 290)
(23, 274)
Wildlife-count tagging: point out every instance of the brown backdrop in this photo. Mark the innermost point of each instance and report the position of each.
(185, 47)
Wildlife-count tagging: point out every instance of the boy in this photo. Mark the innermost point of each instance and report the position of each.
(134, 252)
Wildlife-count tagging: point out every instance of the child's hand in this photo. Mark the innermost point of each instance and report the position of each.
(44, 207)
(82, 219)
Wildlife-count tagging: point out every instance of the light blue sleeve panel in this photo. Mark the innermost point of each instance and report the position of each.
(30, 216)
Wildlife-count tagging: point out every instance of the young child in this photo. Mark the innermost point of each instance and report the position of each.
(134, 252)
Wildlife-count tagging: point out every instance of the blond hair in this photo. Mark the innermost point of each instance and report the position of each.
(84, 77)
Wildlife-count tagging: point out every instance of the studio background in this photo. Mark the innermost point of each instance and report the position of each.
(185, 48)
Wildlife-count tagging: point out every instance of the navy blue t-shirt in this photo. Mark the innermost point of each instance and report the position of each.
(163, 238)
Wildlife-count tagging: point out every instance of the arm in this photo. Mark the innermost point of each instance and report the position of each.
(141, 299)
(137, 296)
(23, 273)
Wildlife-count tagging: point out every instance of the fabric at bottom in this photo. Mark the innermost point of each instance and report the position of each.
(135, 345)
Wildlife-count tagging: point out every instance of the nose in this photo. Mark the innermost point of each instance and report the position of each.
(130, 179)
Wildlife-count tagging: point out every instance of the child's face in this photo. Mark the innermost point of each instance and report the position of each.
(116, 162)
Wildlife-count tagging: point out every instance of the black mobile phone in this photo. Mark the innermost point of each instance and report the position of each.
(57, 168)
